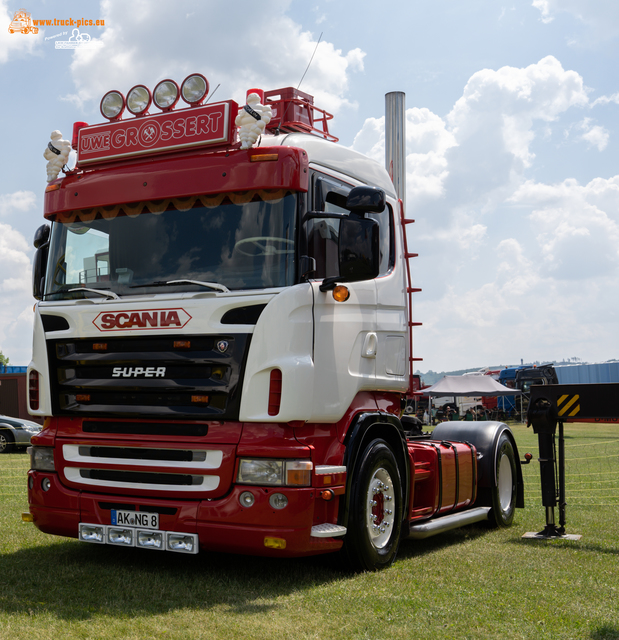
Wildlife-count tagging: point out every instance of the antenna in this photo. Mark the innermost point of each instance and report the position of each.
(310, 62)
(213, 93)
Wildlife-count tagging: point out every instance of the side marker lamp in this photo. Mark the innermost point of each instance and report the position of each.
(341, 293)
(194, 89)
(138, 100)
(275, 543)
(26, 516)
(166, 95)
(264, 157)
(112, 105)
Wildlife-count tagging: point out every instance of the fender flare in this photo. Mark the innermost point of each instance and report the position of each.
(484, 436)
(364, 428)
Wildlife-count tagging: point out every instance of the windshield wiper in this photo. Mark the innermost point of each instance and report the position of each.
(163, 283)
(101, 292)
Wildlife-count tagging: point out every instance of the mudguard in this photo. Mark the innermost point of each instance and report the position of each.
(484, 436)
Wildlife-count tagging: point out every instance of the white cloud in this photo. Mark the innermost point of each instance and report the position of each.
(15, 44)
(601, 17)
(144, 43)
(15, 291)
(485, 288)
(19, 201)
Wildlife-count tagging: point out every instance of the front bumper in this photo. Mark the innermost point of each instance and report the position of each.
(219, 524)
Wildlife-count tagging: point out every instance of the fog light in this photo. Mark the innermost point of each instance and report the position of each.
(150, 540)
(45, 484)
(278, 501)
(246, 499)
(92, 533)
(182, 542)
(275, 543)
(26, 516)
(123, 537)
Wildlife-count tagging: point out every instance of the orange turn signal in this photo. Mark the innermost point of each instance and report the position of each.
(341, 293)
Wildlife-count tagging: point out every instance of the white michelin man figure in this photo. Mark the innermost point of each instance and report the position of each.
(56, 154)
(252, 120)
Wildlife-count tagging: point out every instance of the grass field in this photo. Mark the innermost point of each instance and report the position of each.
(471, 583)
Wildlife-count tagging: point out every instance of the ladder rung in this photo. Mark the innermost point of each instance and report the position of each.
(411, 255)
(415, 324)
(407, 221)
(413, 290)
(415, 359)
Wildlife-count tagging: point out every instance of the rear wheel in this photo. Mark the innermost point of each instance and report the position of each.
(375, 516)
(6, 441)
(504, 493)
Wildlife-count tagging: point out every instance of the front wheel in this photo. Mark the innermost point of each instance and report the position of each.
(505, 492)
(375, 510)
(6, 441)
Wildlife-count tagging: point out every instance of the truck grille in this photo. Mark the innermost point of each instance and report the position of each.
(194, 377)
(182, 471)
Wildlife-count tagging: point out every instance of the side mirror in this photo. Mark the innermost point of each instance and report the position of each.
(39, 264)
(359, 253)
(41, 235)
(366, 200)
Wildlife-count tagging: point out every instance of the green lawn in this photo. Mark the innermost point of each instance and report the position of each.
(471, 583)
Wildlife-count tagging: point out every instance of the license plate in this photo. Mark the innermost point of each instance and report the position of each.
(143, 519)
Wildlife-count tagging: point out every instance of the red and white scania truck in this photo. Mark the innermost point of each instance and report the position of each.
(222, 343)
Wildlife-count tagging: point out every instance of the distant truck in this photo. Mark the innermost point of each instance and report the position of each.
(22, 23)
(524, 377)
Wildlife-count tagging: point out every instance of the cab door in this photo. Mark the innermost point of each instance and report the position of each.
(345, 333)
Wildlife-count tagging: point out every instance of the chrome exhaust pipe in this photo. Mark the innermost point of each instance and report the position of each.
(395, 141)
(447, 523)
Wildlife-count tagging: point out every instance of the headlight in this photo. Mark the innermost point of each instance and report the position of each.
(275, 472)
(41, 458)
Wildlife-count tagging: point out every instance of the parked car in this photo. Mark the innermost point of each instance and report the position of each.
(15, 432)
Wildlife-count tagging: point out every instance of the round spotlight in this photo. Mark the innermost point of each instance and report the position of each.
(246, 499)
(138, 100)
(166, 95)
(194, 89)
(278, 501)
(112, 105)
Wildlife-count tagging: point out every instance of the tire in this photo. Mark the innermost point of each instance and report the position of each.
(6, 441)
(503, 495)
(375, 517)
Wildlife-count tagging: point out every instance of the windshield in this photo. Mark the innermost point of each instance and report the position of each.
(233, 241)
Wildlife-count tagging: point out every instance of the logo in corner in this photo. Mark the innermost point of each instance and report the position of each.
(222, 346)
(22, 23)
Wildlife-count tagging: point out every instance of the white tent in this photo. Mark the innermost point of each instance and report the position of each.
(468, 386)
(452, 386)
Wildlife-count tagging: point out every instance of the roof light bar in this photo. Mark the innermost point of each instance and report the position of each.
(194, 89)
(112, 105)
(166, 95)
(138, 100)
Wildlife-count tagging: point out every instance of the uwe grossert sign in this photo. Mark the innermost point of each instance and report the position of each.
(198, 126)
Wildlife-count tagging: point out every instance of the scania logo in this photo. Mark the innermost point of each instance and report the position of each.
(138, 372)
(222, 346)
(140, 320)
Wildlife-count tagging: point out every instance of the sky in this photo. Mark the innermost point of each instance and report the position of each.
(512, 143)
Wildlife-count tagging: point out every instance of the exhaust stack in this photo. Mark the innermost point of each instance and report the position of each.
(395, 141)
